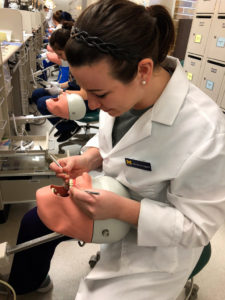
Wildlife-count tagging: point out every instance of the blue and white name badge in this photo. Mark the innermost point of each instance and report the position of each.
(138, 164)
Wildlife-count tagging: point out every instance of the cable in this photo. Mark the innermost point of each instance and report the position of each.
(16, 128)
(191, 289)
(10, 287)
(14, 123)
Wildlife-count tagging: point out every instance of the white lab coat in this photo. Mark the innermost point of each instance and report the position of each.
(182, 198)
(59, 26)
(48, 18)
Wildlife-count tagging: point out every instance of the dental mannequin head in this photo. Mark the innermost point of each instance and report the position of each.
(58, 211)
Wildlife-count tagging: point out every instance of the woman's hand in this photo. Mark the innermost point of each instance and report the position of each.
(97, 207)
(74, 166)
(71, 167)
(105, 205)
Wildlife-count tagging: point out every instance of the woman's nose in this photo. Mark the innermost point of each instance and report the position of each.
(93, 103)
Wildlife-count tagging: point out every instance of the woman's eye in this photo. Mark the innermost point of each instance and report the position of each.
(101, 96)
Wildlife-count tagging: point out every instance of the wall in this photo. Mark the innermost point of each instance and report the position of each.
(62, 4)
(185, 9)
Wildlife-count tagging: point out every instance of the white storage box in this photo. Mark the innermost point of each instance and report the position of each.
(8, 34)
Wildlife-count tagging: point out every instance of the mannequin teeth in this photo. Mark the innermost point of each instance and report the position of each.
(71, 183)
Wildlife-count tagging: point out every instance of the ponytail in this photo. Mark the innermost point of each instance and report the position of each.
(165, 28)
(67, 25)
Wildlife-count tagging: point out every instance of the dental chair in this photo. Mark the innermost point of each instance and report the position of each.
(89, 121)
(72, 107)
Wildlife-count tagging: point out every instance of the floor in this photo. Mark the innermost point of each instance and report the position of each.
(70, 262)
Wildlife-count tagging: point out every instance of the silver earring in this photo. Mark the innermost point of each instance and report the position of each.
(143, 82)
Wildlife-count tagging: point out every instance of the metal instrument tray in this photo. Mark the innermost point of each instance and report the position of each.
(23, 165)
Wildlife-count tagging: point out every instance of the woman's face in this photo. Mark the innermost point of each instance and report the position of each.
(54, 22)
(60, 53)
(104, 91)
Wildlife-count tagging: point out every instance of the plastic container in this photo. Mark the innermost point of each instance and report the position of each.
(8, 34)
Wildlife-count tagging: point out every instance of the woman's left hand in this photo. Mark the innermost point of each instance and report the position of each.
(97, 207)
(105, 205)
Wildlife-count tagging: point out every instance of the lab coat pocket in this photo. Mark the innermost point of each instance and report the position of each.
(139, 259)
(136, 176)
(147, 184)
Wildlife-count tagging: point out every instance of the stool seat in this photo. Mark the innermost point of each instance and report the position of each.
(203, 260)
(89, 121)
(90, 117)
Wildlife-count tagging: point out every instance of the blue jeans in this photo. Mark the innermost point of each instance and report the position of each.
(39, 97)
(30, 267)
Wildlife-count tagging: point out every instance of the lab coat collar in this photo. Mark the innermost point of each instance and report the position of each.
(166, 108)
(164, 111)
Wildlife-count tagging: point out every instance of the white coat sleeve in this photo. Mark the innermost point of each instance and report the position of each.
(93, 142)
(197, 196)
(48, 15)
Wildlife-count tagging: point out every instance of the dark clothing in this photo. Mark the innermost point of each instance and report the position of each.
(39, 97)
(72, 85)
(30, 267)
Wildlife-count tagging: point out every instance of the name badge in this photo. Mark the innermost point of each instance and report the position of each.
(138, 164)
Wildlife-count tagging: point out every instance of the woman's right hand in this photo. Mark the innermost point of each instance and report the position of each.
(74, 166)
(71, 167)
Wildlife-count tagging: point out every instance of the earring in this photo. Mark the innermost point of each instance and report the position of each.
(143, 82)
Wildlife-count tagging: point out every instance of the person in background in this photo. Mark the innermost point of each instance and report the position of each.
(65, 129)
(57, 19)
(160, 136)
(48, 17)
(62, 19)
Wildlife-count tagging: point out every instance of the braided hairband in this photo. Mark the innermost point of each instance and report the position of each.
(96, 42)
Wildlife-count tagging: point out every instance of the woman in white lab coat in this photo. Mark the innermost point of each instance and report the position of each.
(49, 14)
(161, 137)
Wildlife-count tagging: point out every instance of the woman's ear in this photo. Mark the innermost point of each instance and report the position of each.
(145, 70)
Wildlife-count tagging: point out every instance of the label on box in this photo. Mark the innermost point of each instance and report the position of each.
(209, 84)
(198, 38)
(220, 42)
(189, 76)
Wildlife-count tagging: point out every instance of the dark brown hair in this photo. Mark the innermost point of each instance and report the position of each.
(59, 39)
(122, 32)
(64, 18)
(57, 16)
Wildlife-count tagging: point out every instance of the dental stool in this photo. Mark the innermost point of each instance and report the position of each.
(89, 122)
(191, 289)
